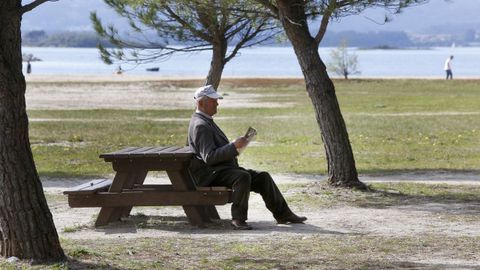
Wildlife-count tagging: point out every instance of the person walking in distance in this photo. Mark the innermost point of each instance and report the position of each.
(29, 67)
(448, 67)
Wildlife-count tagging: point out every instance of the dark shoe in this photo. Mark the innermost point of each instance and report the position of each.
(291, 218)
(240, 225)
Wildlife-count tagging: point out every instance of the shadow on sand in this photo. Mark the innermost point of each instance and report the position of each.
(181, 225)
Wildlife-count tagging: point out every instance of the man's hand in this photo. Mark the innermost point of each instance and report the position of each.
(240, 142)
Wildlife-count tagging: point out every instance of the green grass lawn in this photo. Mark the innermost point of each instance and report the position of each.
(394, 125)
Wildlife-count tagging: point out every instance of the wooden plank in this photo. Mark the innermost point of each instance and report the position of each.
(183, 152)
(175, 152)
(149, 198)
(211, 211)
(170, 149)
(152, 157)
(168, 152)
(119, 152)
(126, 153)
(90, 187)
(149, 164)
(126, 150)
(150, 188)
(184, 149)
(139, 151)
(214, 188)
(142, 151)
(154, 152)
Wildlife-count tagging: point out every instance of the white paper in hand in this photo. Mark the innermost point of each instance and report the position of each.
(250, 136)
(251, 133)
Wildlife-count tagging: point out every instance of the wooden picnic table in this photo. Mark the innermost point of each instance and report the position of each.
(116, 198)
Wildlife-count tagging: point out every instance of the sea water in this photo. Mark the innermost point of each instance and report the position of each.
(265, 62)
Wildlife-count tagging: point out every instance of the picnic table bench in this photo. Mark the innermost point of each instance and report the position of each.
(117, 197)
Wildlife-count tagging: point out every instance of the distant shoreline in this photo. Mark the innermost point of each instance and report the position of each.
(225, 79)
(260, 62)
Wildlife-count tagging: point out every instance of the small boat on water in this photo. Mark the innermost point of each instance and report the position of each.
(154, 69)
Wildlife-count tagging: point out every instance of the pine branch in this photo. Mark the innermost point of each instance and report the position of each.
(324, 23)
(34, 4)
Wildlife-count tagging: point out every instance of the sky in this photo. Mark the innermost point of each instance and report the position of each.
(436, 15)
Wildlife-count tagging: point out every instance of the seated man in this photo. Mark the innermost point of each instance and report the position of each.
(215, 164)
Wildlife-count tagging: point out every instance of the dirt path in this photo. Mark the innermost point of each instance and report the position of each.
(398, 220)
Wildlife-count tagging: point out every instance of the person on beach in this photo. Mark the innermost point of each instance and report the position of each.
(448, 67)
(215, 164)
(119, 70)
(29, 67)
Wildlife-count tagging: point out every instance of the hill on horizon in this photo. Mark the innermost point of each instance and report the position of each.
(434, 17)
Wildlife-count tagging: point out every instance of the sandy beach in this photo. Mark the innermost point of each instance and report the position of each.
(201, 79)
(137, 92)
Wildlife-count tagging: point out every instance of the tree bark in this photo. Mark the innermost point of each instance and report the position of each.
(321, 90)
(217, 64)
(27, 230)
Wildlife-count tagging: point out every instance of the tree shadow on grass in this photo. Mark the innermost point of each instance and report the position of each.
(445, 200)
(434, 198)
(416, 265)
(423, 174)
(316, 263)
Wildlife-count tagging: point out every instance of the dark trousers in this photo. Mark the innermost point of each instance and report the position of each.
(449, 74)
(242, 181)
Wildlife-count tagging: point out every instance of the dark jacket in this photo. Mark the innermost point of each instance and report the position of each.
(212, 150)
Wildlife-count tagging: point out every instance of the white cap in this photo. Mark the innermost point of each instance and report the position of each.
(206, 91)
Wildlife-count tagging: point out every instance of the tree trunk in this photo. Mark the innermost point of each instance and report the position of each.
(27, 230)
(341, 163)
(217, 64)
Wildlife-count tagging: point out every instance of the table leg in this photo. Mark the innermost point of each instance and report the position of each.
(181, 180)
(122, 180)
(212, 212)
(138, 177)
(196, 215)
